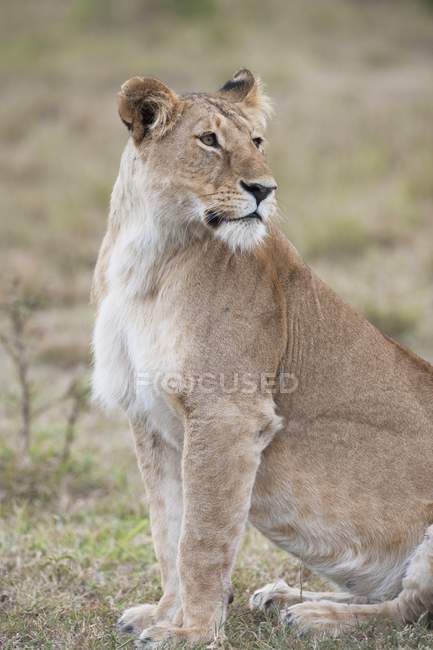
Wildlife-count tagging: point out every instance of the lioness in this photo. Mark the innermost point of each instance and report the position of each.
(252, 390)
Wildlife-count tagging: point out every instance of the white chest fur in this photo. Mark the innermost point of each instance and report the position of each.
(137, 348)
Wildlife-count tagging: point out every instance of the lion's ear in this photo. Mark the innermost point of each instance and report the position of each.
(147, 106)
(247, 90)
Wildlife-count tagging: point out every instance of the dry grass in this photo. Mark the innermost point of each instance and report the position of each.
(351, 146)
(76, 550)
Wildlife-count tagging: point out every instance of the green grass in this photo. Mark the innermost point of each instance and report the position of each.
(67, 572)
(68, 575)
(75, 551)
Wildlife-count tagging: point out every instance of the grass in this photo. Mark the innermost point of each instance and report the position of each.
(351, 146)
(76, 550)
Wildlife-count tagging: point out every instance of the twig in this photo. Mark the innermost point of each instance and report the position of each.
(18, 309)
(14, 344)
(79, 393)
(301, 580)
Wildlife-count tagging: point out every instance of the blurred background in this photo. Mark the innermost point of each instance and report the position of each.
(351, 146)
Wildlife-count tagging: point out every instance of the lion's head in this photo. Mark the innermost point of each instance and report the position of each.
(202, 156)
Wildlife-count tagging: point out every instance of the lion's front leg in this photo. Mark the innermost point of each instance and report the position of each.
(160, 465)
(220, 461)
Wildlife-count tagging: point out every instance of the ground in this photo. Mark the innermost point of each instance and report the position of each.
(352, 150)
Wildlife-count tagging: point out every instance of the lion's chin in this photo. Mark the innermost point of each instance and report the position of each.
(242, 236)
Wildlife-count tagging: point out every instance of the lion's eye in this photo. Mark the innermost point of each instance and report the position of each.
(258, 142)
(209, 139)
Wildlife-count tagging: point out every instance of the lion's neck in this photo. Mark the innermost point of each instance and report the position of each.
(147, 229)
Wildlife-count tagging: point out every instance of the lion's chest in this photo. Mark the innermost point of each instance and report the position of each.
(138, 349)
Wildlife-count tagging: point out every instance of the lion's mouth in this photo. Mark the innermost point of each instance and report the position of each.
(215, 219)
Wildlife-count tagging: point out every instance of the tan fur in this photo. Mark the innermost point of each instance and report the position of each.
(337, 469)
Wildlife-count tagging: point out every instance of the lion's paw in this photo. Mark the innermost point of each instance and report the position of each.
(157, 635)
(135, 619)
(322, 618)
(275, 593)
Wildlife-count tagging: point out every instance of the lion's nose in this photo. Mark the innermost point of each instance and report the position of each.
(260, 192)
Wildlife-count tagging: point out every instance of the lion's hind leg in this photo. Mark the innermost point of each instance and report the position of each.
(414, 601)
(416, 597)
(279, 594)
